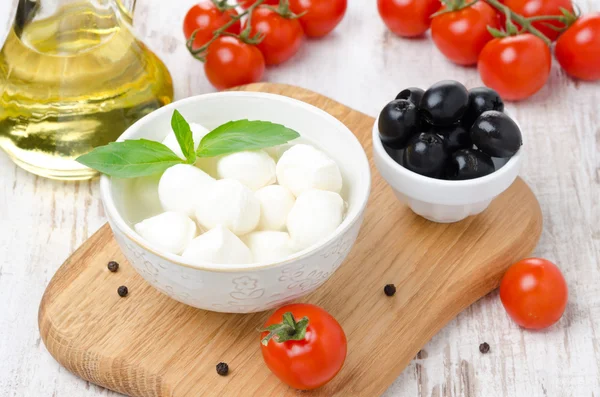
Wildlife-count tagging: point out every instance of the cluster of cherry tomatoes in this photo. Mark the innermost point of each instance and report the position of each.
(236, 42)
(509, 40)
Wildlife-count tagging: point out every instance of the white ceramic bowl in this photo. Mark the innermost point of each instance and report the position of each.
(440, 200)
(246, 288)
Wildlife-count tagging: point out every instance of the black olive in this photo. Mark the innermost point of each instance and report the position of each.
(455, 137)
(425, 154)
(412, 94)
(496, 134)
(468, 164)
(481, 99)
(395, 154)
(444, 103)
(398, 121)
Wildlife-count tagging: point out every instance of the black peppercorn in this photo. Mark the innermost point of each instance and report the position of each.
(389, 289)
(122, 291)
(484, 348)
(113, 266)
(222, 369)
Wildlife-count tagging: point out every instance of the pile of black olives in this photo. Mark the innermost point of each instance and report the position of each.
(448, 132)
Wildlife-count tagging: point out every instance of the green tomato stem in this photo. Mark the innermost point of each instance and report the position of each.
(200, 53)
(521, 20)
(288, 329)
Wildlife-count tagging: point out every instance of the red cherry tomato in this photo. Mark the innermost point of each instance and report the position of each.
(282, 36)
(205, 18)
(248, 3)
(231, 62)
(321, 16)
(534, 293)
(534, 8)
(578, 49)
(313, 360)
(516, 66)
(462, 34)
(407, 18)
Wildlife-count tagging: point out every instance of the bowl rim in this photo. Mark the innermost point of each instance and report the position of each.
(116, 220)
(403, 172)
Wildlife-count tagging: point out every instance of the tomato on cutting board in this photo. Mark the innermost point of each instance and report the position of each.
(578, 49)
(303, 345)
(534, 293)
(407, 18)
(282, 36)
(461, 35)
(204, 18)
(231, 62)
(516, 67)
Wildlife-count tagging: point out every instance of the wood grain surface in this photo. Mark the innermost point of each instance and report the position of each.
(361, 65)
(149, 345)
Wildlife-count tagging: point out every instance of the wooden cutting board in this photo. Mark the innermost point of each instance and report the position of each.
(149, 345)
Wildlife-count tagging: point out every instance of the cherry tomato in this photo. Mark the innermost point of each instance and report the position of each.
(516, 66)
(231, 62)
(578, 49)
(313, 360)
(321, 16)
(282, 36)
(205, 17)
(248, 3)
(407, 18)
(461, 35)
(534, 8)
(534, 293)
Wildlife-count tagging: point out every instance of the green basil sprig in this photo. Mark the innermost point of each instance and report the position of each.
(141, 157)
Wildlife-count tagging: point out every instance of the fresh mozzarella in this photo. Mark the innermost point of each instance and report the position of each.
(219, 246)
(169, 231)
(302, 167)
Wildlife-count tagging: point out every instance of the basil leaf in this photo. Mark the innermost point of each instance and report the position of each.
(131, 158)
(236, 136)
(184, 136)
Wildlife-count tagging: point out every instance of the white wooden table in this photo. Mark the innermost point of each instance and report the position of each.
(361, 65)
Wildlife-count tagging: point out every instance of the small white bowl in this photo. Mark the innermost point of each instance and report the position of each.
(439, 200)
(245, 288)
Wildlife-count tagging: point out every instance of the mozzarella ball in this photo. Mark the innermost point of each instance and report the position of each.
(181, 186)
(218, 246)
(254, 168)
(314, 217)
(268, 246)
(276, 201)
(302, 167)
(231, 204)
(169, 231)
(198, 132)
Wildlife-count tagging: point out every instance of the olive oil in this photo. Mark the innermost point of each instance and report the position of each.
(72, 81)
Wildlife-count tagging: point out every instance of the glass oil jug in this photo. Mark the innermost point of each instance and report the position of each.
(72, 77)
